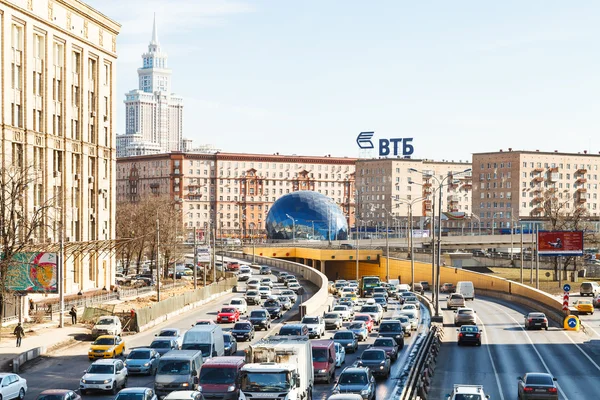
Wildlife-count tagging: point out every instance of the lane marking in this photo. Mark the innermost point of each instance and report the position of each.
(487, 342)
(582, 351)
(532, 345)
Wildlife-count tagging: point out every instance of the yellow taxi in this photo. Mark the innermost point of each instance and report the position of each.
(352, 296)
(106, 346)
(584, 306)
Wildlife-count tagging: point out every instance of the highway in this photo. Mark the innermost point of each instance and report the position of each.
(508, 351)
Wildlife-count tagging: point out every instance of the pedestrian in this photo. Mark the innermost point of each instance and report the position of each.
(19, 333)
(73, 314)
(31, 305)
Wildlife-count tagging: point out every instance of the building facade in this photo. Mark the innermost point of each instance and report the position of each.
(513, 185)
(152, 110)
(58, 69)
(234, 191)
(387, 186)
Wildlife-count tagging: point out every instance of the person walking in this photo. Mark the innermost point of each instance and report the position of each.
(19, 333)
(73, 314)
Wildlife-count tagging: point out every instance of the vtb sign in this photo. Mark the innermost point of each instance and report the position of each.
(387, 147)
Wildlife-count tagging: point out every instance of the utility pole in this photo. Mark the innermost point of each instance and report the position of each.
(195, 258)
(521, 229)
(412, 256)
(207, 242)
(214, 253)
(357, 231)
(531, 229)
(387, 246)
(61, 279)
(537, 259)
(433, 296)
(439, 249)
(157, 259)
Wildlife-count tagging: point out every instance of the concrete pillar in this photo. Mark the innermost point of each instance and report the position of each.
(322, 269)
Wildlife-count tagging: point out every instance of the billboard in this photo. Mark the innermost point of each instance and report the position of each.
(33, 273)
(560, 243)
(203, 253)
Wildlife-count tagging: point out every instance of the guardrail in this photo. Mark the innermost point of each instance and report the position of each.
(418, 382)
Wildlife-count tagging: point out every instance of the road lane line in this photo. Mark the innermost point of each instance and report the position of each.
(492, 360)
(534, 347)
(582, 351)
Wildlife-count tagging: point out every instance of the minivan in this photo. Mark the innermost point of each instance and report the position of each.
(219, 378)
(178, 370)
(323, 355)
(467, 289)
(589, 289)
(206, 338)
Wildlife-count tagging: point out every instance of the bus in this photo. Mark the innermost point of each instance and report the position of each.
(367, 283)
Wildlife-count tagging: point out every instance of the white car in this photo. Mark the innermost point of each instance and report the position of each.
(13, 386)
(340, 355)
(264, 291)
(410, 307)
(253, 284)
(294, 286)
(316, 326)
(240, 304)
(107, 325)
(172, 333)
(106, 375)
(345, 311)
(267, 282)
(413, 316)
(244, 276)
(245, 269)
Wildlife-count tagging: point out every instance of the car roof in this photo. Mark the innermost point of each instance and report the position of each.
(57, 391)
(107, 361)
(182, 394)
(107, 336)
(356, 370)
(133, 390)
(321, 343)
(224, 360)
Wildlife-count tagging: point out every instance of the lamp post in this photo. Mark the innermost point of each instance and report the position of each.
(293, 228)
(387, 244)
(493, 222)
(478, 224)
(410, 203)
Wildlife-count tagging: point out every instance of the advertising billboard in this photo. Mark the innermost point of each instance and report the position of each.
(203, 253)
(560, 243)
(33, 273)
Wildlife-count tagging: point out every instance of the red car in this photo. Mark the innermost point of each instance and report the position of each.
(228, 314)
(233, 266)
(367, 319)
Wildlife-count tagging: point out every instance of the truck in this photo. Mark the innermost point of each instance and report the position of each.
(278, 367)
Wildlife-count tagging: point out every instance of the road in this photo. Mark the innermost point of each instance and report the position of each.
(508, 351)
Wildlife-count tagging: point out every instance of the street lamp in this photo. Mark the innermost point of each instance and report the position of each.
(478, 224)
(387, 244)
(293, 228)
(493, 222)
(410, 203)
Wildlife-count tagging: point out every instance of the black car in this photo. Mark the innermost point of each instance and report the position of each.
(358, 380)
(537, 385)
(377, 361)
(469, 334)
(536, 320)
(274, 308)
(294, 330)
(261, 319)
(392, 329)
(230, 344)
(381, 301)
(243, 331)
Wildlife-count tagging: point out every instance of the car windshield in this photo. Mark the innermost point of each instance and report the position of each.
(100, 369)
(356, 325)
(203, 322)
(271, 303)
(585, 302)
(361, 317)
(379, 300)
(469, 329)
(373, 355)
(51, 397)
(228, 310)
(290, 330)
(138, 355)
(174, 367)
(241, 327)
(251, 293)
(384, 342)
(227, 338)
(537, 315)
(130, 396)
(310, 320)
(465, 312)
(332, 315)
(460, 396)
(258, 314)
(340, 308)
(353, 378)
(369, 309)
(403, 319)
(161, 344)
(216, 375)
(262, 382)
(390, 327)
(105, 341)
(205, 348)
(319, 355)
(236, 302)
(169, 333)
(343, 335)
(456, 297)
(105, 321)
(539, 380)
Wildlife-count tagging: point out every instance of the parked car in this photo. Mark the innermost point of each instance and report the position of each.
(536, 320)
(104, 375)
(13, 386)
(142, 361)
(107, 325)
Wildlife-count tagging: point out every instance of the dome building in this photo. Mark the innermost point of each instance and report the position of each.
(306, 215)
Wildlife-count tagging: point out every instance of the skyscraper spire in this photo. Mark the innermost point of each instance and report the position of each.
(154, 32)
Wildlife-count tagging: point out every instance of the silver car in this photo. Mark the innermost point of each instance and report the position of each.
(333, 320)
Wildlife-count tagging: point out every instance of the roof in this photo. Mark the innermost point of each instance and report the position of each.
(322, 343)
(56, 391)
(182, 394)
(107, 361)
(133, 390)
(355, 369)
(224, 361)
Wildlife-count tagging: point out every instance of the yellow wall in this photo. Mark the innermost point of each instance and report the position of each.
(315, 254)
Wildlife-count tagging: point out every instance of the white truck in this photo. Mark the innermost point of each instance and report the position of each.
(278, 367)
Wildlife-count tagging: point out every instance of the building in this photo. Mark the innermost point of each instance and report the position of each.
(134, 145)
(388, 185)
(234, 191)
(513, 185)
(58, 66)
(152, 110)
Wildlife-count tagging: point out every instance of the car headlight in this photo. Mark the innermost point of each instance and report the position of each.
(185, 384)
(381, 367)
(322, 371)
(349, 344)
(90, 350)
(107, 380)
(145, 365)
(83, 381)
(398, 336)
(364, 391)
(230, 388)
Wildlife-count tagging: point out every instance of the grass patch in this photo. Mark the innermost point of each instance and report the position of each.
(546, 283)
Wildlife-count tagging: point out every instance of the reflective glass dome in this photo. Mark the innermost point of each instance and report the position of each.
(315, 216)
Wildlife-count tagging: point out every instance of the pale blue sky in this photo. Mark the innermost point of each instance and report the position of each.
(305, 77)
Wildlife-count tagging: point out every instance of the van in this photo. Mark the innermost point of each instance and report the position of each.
(467, 289)
(219, 378)
(178, 370)
(206, 338)
(323, 356)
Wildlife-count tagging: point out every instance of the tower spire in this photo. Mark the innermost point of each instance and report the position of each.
(154, 32)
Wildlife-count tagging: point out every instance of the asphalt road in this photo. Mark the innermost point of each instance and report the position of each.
(508, 351)
(65, 368)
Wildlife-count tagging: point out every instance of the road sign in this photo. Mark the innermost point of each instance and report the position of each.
(571, 323)
(565, 301)
(567, 287)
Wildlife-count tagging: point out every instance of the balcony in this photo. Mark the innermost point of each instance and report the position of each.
(453, 199)
(467, 186)
(539, 170)
(582, 190)
(537, 199)
(581, 171)
(537, 210)
(553, 169)
(553, 177)
(581, 180)
(537, 190)
(427, 184)
(552, 190)
(538, 179)
(581, 200)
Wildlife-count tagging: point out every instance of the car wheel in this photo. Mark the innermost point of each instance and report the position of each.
(458, 343)
(82, 391)
(114, 388)
(22, 394)
(546, 328)
(124, 383)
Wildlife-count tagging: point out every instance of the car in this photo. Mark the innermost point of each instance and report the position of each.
(132, 393)
(274, 308)
(106, 346)
(464, 316)
(387, 344)
(13, 386)
(253, 297)
(418, 288)
(462, 392)
(357, 380)
(264, 270)
(345, 396)
(536, 320)
(405, 322)
(163, 345)
(346, 246)
(425, 285)
(455, 300)
(293, 330)
(233, 266)
(393, 329)
(104, 375)
(58, 394)
(537, 385)
(412, 300)
(589, 289)
(316, 326)
(340, 355)
(381, 301)
(228, 314)
(380, 290)
(374, 310)
(290, 279)
(333, 320)
(245, 269)
(360, 330)
(347, 339)
(281, 277)
(229, 344)
(413, 317)
(584, 306)
(260, 319)
(596, 301)
(184, 395)
(142, 360)
(346, 312)
(244, 276)
(240, 304)
(448, 288)
(469, 334)
(204, 322)
(264, 291)
(295, 286)
(266, 282)
(377, 361)
(243, 331)
(367, 319)
(107, 325)
(253, 283)
(286, 303)
(290, 294)
(173, 333)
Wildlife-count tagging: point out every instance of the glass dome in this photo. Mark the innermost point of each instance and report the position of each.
(306, 215)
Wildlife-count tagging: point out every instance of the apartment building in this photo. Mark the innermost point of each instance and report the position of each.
(388, 185)
(58, 69)
(234, 191)
(512, 185)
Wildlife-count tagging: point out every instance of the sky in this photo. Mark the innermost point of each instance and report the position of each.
(305, 77)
